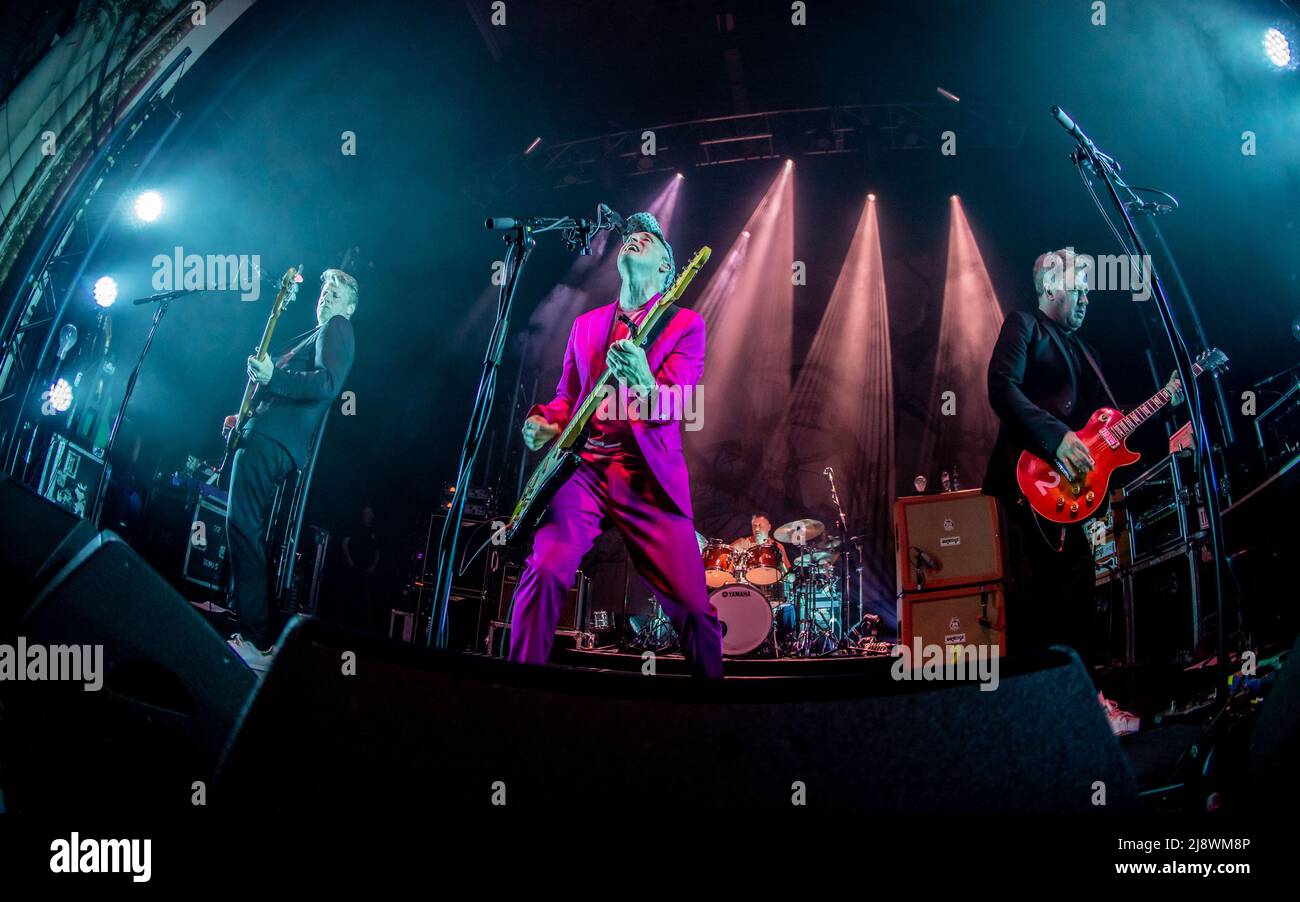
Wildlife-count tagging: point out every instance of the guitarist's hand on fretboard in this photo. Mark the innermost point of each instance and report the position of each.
(228, 425)
(1175, 388)
(537, 432)
(260, 369)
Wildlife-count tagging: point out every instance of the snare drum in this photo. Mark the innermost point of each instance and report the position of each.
(763, 564)
(720, 561)
(746, 618)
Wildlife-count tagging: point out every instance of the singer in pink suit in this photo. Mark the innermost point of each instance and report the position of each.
(632, 471)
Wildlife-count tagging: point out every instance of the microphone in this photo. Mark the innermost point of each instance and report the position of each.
(610, 219)
(498, 223)
(826, 472)
(1072, 128)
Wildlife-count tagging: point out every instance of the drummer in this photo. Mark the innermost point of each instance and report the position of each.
(761, 531)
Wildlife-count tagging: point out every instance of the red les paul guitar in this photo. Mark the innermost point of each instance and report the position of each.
(1062, 500)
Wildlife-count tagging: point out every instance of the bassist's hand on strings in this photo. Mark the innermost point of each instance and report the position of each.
(537, 432)
(260, 369)
(1074, 456)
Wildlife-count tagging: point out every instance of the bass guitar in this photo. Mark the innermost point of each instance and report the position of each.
(289, 283)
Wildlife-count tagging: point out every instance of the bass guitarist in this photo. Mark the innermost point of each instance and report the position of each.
(1043, 384)
(294, 394)
(632, 470)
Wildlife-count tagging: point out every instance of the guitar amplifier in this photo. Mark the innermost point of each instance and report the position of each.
(972, 615)
(573, 614)
(958, 531)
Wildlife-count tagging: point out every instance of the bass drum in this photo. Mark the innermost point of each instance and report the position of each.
(746, 617)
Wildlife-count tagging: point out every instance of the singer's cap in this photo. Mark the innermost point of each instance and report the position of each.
(646, 222)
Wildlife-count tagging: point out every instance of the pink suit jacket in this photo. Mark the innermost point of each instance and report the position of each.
(676, 358)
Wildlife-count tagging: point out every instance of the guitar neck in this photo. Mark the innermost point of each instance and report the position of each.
(1147, 409)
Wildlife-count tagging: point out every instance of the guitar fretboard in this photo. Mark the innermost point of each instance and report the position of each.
(1146, 410)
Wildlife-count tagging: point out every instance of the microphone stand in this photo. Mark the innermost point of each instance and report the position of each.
(846, 609)
(519, 237)
(1107, 170)
(163, 301)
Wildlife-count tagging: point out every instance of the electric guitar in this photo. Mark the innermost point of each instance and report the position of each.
(1060, 499)
(561, 458)
(289, 283)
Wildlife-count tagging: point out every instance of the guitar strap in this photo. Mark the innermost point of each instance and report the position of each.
(1097, 371)
(662, 323)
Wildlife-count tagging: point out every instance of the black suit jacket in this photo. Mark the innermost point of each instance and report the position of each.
(292, 405)
(1039, 393)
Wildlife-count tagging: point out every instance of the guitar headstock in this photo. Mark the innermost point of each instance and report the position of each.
(1212, 360)
(288, 292)
(684, 278)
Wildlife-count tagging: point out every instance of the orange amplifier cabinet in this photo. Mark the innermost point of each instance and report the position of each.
(971, 615)
(958, 534)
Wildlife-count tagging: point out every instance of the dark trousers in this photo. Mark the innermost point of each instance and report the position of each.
(260, 466)
(1050, 581)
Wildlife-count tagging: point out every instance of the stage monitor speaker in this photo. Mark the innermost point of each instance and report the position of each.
(37, 538)
(346, 723)
(957, 530)
(975, 615)
(168, 692)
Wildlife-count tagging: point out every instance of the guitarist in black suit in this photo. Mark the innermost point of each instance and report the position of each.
(1044, 383)
(294, 395)
(1042, 389)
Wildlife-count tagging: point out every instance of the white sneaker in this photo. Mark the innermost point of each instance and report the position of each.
(257, 660)
(1121, 722)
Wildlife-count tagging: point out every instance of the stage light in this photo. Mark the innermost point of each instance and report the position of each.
(1278, 48)
(148, 206)
(105, 291)
(59, 397)
(789, 164)
(680, 176)
(871, 197)
(954, 197)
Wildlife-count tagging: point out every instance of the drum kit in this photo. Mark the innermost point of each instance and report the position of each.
(765, 606)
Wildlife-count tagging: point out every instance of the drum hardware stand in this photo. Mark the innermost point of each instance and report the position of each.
(658, 633)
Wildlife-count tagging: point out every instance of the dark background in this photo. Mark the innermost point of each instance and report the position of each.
(432, 91)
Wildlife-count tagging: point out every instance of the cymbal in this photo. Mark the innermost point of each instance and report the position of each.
(787, 532)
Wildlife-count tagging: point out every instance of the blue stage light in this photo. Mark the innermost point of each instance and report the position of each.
(148, 206)
(1279, 49)
(105, 291)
